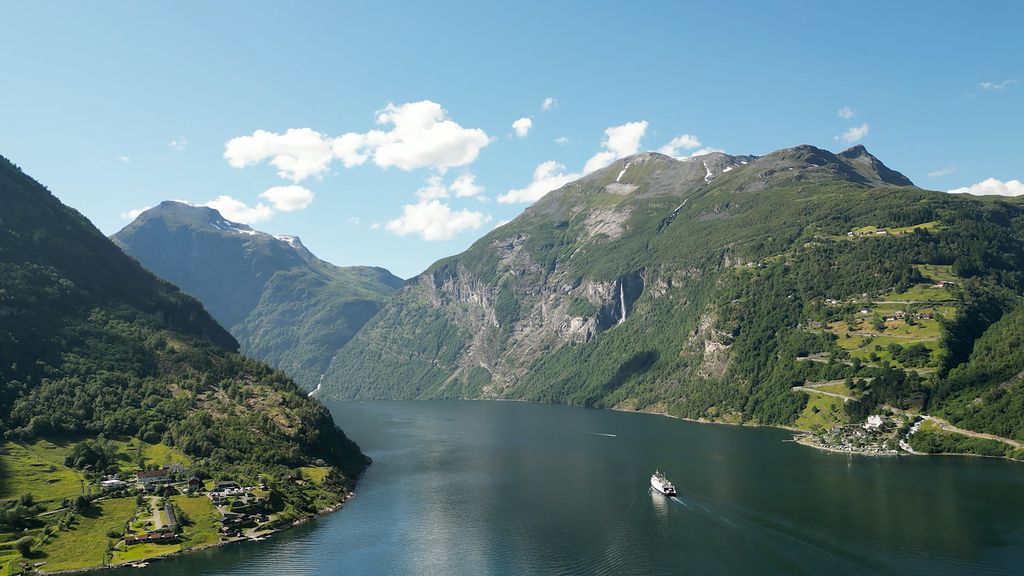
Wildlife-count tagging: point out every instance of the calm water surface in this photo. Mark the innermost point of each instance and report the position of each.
(466, 487)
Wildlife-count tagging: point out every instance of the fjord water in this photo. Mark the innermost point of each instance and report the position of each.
(464, 487)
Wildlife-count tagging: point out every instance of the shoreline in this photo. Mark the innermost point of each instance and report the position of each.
(799, 433)
(261, 536)
(803, 437)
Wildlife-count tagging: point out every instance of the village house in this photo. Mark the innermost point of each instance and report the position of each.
(193, 485)
(227, 487)
(150, 479)
(112, 484)
(152, 537)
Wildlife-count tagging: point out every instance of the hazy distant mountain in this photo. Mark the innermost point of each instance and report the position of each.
(283, 304)
(700, 287)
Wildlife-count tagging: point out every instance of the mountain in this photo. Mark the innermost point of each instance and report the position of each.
(105, 368)
(708, 288)
(283, 304)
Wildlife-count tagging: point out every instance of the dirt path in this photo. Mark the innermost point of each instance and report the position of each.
(948, 427)
(810, 390)
(876, 334)
(158, 523)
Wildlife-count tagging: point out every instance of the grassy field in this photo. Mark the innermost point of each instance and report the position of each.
(821, 412)
(137, 552)
(152, 454)
(37, 468)
(925, 293)
(913, 319)
(936, 273)
(85, 543)
(203, 520)
(315, 474)
(896, 231)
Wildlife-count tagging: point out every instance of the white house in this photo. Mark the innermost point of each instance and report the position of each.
(111, 484)
(874, 422)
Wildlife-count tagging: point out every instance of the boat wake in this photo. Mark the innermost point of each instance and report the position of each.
(678, 501)
(602, 434)
(769, 533)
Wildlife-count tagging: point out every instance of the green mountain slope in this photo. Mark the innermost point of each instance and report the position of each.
(96, 352)
(708, 288)
(283, 304)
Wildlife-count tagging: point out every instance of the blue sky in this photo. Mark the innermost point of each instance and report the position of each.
(116, 106)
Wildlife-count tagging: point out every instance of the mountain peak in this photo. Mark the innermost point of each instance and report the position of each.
(854, 163)
(181, 214)
(866, 163)
(855, 152)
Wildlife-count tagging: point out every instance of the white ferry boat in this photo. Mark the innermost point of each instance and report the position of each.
(661, 484)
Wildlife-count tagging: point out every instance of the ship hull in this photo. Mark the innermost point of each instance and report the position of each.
(667, 491)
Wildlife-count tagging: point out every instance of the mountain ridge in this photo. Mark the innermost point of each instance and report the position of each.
(614, 290)
(285, 305)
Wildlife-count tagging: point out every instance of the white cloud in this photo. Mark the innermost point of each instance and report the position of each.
(996, 86)
(354, 220)
(681, 142)
(297, 154)
(434, 220)
(944, 171)
(434, 189)
(562, 140)
(854, 134)
(288, 198)
(547, 176)
(423, 136)
(133, 214)
(991, 187)
(619, 141)
(178, 144)
(464, 186)
(701, 152)
(237, 211)
(124, 159)
(548, 104)
(522, 127)
(501, 223)
(349, 149)
(845, 113)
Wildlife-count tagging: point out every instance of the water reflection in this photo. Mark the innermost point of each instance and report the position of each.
(510, 488)
(661, 503)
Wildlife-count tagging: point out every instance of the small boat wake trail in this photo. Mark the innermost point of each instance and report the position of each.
(770, 535)
(602, 434)
(678, 501)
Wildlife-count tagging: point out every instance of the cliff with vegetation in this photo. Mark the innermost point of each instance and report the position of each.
(722, 288)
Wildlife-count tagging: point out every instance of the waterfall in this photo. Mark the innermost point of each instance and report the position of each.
(622, 301)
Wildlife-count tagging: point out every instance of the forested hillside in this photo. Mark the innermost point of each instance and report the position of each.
(97, 353)
(711, 287)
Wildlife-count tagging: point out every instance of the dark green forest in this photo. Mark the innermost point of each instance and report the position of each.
(91, 343)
